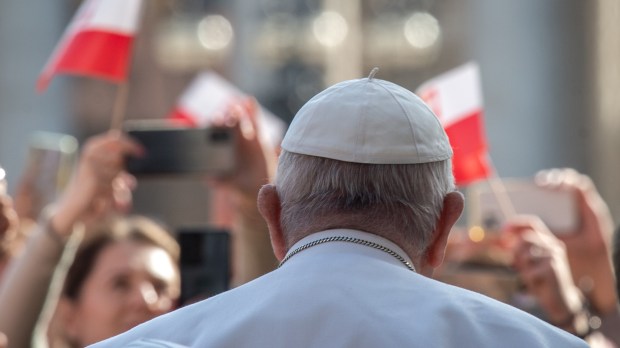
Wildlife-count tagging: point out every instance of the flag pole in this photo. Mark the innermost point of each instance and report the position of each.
(501, 194)
(120, 104)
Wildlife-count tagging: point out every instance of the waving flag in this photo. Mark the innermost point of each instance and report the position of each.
(456, 99)
(97, 42)
(209, 96)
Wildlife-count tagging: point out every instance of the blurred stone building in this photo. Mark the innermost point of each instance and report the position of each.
(549, 73)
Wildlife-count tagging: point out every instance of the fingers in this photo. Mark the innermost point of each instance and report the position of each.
(98, 184)
(104, 156)
(562, 179)
(122, 188)
(538, 273)
(255, 159)
(525, 222)
(243, 114)
(528, 254)
(111, 148)
(542, 266)
(251, 107)
(532, 243)
(534, 249)
(596, 224)
(567, 179)
(528, 227)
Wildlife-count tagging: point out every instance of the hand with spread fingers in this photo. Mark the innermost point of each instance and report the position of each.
(99, 184)
(541, 262)
(589, 246)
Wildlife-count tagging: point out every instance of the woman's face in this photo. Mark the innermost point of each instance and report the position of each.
(130, 283)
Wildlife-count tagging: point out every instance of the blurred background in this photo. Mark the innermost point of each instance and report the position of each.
(550, 73)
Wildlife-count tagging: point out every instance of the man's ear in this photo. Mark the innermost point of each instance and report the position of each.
(452, 209)
(270, 208)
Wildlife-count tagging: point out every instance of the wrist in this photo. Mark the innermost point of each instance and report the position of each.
(61, 220)
(51, 228)
(599, 288)
(581, 322)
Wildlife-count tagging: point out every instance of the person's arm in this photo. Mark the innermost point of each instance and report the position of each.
(235, 197)
(29, 279)
(34, 276)
(589, 246)
(252, 252)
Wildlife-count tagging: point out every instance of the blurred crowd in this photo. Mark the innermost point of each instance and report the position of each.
(87, 268)
(567, 278)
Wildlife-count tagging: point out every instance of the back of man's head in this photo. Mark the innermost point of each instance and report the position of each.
(365, 154)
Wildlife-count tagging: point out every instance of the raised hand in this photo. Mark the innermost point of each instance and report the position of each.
(589, 247)
(541, 262)
(99, 184)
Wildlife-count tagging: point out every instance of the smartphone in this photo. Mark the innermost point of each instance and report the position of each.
(205, 262)
(49, 164)
(176, 150)
(557, 209)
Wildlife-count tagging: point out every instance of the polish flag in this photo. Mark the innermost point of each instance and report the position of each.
(456, 99)
(97, 42)
(209, 96)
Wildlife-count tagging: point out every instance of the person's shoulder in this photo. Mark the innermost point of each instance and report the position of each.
(153, 343)
(139, 343)
(475, 312)
(167, 328)
(186, 322)
(466, 302)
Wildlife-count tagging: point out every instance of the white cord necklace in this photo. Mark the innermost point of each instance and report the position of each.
(350, 240)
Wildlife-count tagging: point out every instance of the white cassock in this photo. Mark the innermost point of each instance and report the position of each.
(343, 294)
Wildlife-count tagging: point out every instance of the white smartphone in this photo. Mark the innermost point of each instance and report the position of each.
(557, 209)
(50, 162)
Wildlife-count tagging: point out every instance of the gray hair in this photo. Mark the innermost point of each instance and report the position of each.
(395, 198)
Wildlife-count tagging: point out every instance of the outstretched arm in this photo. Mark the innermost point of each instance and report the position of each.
(96, 187)
(589, 247)
(235, 196)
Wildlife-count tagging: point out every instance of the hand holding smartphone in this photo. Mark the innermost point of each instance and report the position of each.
(50, 162)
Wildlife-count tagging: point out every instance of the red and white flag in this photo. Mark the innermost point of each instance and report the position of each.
(97, 42)
(456, 99)
(210, 96)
